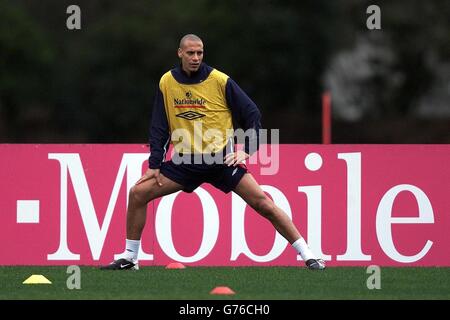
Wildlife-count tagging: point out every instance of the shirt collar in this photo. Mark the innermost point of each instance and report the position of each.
(196, 77)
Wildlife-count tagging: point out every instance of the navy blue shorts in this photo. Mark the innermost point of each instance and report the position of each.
(190, 176)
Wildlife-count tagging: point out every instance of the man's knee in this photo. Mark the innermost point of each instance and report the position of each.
(265, 206)
(139, 195)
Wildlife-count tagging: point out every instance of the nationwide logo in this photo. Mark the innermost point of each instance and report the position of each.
(190, 115)
(189, 102)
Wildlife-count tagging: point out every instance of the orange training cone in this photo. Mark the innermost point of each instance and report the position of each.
(222, 290)
(175, 265)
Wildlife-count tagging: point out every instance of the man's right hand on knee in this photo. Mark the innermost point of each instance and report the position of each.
(149, 174)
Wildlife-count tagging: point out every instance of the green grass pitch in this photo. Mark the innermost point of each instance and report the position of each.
(249, 283)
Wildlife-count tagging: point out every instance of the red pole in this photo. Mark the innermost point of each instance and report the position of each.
(326, 118)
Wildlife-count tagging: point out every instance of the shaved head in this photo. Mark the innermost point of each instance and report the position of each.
(189, 37)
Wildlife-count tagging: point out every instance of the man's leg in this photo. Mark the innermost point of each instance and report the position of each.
(249, 190)
(140, 195)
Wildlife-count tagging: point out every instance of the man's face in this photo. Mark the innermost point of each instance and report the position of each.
(191, 55)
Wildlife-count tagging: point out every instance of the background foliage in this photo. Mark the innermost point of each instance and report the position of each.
(97, 84)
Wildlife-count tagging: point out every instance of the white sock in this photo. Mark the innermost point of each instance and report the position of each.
(303, 249)
(132, 249)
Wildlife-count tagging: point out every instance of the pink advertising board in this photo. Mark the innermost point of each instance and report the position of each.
(386, 205)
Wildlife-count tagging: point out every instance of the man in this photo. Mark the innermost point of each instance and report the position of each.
(190, 97)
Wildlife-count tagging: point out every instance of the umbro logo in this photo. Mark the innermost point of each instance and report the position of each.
(190, 115)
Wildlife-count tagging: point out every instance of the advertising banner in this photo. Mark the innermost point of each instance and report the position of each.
(356, 205)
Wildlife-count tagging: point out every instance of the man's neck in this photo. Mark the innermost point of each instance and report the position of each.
(188, 73)
(191, 77)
